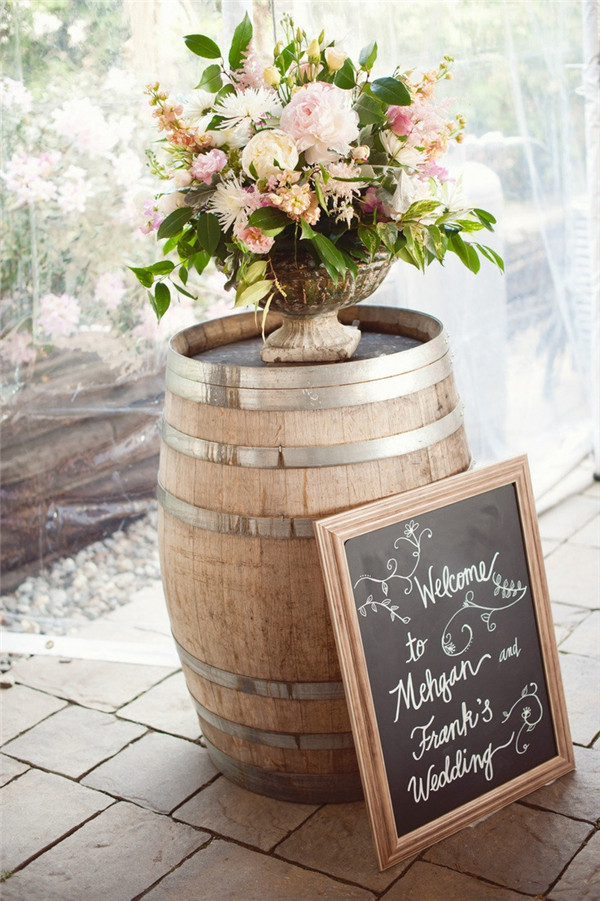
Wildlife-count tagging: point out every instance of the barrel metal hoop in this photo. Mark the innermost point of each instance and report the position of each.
(265, 688)
(315, 456)
(294, 741)
(185, 355)
(276, 527)
(306, 397)
(309, 788)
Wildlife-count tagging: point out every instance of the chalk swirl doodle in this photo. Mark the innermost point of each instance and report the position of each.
(409, 542)
(531, 713)
(474, 613)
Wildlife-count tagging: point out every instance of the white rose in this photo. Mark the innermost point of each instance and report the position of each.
(335, 58)
(399, 150)
(167, 203)
(268, 152)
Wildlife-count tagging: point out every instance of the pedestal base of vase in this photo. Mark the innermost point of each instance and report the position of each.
(311, 339)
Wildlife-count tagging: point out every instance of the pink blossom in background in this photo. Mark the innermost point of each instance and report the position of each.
(17, 349)
(14, 95)
(254, 239)
(83, 122)
(74, 190)
(29, 177)
(432, 170)
(110, 290)
(153, 218)
(320, 119)
(208, 164)
(59, 315)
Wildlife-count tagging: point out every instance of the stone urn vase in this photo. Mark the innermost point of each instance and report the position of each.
(308, 301)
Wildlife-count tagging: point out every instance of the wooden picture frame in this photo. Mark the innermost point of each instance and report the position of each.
(451, 671)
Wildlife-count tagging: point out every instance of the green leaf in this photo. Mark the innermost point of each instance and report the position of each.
(255, 272)
(200, 261)
(367, 56)
(254, 293)
(225, 91)
(485, 218)
(239, 44)
(388, 235)
(285, 58)
(345, 77)
(332, 258)
(183, 291)
(161, 300)
(465, 252)
(269, 217)
(202, 46)
(209, 232)
(436, 241)
(143, 275)
(369, 237)
(415, 245)
(370, 110)
(174, 222)
(211, 79)
(490, 255)
(391, 91)
(163, 267)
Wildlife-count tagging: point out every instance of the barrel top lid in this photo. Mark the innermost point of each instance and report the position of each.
(226, 351)
(247, 351)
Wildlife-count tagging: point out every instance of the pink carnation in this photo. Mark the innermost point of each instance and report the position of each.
(254, 239)
(321, 120)
(208, 164)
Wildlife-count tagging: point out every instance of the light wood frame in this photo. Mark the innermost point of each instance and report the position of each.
(331, 534)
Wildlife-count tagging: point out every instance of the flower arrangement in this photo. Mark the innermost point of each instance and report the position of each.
(310, 151)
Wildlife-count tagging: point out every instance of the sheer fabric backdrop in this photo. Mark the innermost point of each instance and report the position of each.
(73, 182)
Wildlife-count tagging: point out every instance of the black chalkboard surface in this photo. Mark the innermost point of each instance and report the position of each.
(442, 620)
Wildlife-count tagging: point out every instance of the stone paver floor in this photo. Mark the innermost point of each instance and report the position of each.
(109, 795)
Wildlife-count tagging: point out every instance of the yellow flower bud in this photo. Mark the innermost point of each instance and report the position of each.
(272, 76)
(335, 58)
(314, 51)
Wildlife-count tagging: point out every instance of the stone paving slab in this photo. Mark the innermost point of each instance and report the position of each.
(568, 518)
(427, 882)
(73, 741)
(566, 618)
(518, 847)
(37, 810)
(10, 769)
(581, 880)
(338, 840)
(573, 574)
(227, 872)
(232, 811)
(92, 683)
(589, 535)
(22, 708)
(158, 771)
(585, 638)
(578, 793)
(166, 707)
(114, 857)
(581, 679)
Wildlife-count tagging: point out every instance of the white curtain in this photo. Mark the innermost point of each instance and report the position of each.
(527, 78)
(79, 351)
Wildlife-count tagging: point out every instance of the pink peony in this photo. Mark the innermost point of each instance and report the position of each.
(254, 239)
(320, 119)
(208, 164)
(400, 120)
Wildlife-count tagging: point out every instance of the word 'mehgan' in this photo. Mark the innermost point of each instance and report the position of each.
(434, 686)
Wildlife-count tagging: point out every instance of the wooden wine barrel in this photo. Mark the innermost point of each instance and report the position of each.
(251, 455)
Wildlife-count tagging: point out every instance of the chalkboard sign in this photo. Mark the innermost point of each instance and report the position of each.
(443, 626)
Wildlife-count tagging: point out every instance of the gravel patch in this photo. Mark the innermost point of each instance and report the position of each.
(77, 589)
